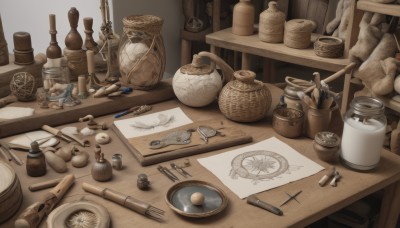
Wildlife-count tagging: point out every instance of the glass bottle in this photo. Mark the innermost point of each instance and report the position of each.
(243, 18)
(363, 133)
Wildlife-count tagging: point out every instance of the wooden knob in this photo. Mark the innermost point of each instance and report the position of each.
(88, 23)
(73, 17)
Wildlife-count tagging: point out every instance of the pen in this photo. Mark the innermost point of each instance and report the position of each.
(253, 200)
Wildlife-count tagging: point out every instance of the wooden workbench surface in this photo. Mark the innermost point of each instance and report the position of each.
(316, 201)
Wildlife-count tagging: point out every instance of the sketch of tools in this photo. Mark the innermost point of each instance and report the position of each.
(9, 154)
(173, 138)
(167, 173)
(207, 132)
(64, 136)
(291, 197)
(180, 170)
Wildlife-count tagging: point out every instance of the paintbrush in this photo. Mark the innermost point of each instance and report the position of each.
(306, 99)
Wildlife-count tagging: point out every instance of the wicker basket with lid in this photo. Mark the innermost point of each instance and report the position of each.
(244, 99)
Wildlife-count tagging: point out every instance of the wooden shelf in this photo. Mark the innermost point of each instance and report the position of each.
(389, 103)
(94, 106)
(388, 9)
(252, 45)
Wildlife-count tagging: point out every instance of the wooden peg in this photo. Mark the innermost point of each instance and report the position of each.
(73, 40)
(53, 51)
(90, 44)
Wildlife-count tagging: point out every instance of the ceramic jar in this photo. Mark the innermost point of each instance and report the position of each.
(363, 133)
(35, 161)
(102, 169)
(141, 52)
(244, 99)
(272, 23)
(288, 122)
(326, 145)
(243, 18)
(197, 84)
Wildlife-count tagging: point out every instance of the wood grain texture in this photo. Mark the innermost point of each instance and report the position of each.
(252, 45)
(316, 201)
(94, 106)
(388, 9)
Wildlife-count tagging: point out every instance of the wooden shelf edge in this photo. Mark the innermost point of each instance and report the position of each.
(388, 9)
(94, 106)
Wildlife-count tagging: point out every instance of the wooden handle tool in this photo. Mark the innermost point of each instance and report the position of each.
(44, 185)
(56, 132)
(33, 215)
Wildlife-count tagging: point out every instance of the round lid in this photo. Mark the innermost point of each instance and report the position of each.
(327, 139)
(197, 67)
(245, 81)
(178, 199)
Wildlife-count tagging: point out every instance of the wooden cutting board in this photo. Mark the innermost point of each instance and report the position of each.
(139, 146)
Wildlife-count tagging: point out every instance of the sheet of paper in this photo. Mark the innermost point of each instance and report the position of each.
(260, 167)
(9, 113)
(152, 123)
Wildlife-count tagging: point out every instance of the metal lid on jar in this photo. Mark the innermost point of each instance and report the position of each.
(327, 139)
(367, 106)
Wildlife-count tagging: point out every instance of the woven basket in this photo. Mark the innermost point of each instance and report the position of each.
(244, 99)
(329, 47)
(271, 26)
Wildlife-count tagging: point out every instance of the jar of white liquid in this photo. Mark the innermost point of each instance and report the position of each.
(363, 133)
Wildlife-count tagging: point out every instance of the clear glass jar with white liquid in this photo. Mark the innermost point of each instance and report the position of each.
(363, 133)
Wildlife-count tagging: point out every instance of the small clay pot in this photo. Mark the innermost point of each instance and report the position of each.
(326, 145)
(288, 122)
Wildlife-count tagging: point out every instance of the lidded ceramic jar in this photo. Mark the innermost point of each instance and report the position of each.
(272, 23)
(363, 133)
(102, 169)
(35, 161)
(243, 18)
(141, 51)
(326, 145)
(198, 84)
(244, 99)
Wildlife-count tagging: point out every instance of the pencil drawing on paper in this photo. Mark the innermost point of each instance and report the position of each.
(162, 120)
(260, 165)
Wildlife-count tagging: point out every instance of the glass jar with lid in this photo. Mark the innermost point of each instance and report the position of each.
(363, 133)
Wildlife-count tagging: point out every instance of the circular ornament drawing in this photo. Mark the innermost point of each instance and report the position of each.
(258, 165)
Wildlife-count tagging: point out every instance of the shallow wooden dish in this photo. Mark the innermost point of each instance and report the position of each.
(178, 199)
(79, 214)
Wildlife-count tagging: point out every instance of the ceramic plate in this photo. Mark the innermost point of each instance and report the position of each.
(178, 199)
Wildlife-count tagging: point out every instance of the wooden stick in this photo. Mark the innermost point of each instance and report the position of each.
(33, 215)
(44, 185)
(334, 76)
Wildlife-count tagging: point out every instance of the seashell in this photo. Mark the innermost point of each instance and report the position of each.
(86, 131)
(102, 138)
(112, 88)
(80, 159)
(115, 94)
(56, 162)
(100, 92)
(70, 130)
(65, 153)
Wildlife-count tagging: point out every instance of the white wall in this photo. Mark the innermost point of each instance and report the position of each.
(33, 16)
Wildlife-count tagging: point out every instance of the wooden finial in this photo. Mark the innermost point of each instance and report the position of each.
(73, 40)
(53, 51)
(90, 44)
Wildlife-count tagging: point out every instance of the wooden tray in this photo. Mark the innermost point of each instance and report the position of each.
(146, 156)
(94, 106)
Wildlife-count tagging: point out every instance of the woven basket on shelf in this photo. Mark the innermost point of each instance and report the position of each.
(298, 33)
(329, 47)
(244, 99)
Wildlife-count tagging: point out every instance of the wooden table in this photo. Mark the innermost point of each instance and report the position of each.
(316, 202)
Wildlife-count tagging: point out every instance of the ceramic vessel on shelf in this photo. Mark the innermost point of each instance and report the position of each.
(272, 23)
(198, 84)
(243, 18)
(244, 99)
(141, 51)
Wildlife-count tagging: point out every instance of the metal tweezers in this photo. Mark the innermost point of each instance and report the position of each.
(180, 170)
(167, 173)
